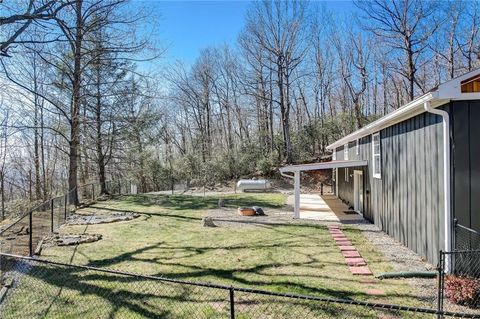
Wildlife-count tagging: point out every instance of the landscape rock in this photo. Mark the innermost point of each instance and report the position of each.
(72, 239)
(208, 222)
(78, 219)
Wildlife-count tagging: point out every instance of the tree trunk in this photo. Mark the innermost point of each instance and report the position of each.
(410, 72)
(76, 101)
(2, 193)
(100, 156)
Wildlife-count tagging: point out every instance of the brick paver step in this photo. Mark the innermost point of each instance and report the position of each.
(375, 292)
(351, 253)
(333, 226)
(360, 270)
(343, 242)
(347, 248)
(336, 232)
(355, 261)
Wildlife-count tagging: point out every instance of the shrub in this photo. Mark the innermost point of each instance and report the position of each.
(463, 291)
(265, 166)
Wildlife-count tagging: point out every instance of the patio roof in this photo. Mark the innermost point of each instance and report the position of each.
(297, 169)
(322, 165)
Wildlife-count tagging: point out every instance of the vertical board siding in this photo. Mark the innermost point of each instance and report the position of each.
(407, 202)
(466, 163)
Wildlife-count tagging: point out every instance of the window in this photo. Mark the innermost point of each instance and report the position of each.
(345, 152)
(376, 156)
(334, 155)
(357, 148)
(347, 177)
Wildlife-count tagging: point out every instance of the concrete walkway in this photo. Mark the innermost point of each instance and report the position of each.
(327, 208)
(313, 206)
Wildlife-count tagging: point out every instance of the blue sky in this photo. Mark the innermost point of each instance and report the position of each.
(186, 27)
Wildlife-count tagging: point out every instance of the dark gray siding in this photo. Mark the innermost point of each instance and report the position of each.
(407, 202)
(466, 162)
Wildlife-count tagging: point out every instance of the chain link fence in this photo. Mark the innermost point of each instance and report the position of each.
(34, 288)
(459, 279)
(466, 238)
(25, 233)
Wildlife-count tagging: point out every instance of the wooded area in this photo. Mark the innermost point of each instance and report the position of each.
(80, 101)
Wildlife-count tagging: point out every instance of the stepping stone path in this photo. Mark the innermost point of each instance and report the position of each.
(353, 259)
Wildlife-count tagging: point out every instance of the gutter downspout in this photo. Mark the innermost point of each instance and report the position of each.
(446, 176)
(296, 183)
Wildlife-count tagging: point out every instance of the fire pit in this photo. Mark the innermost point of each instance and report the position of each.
(246, 211)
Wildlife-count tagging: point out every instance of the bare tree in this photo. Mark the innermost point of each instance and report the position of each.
(405, 26)
(19, 19)
(279, 30)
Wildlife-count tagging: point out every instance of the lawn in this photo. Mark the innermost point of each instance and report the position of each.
(168, 240)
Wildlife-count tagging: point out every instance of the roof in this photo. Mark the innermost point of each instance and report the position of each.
(438, 96)
(322, 165)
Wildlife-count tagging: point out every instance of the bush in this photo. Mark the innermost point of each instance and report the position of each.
(266, 166)
(463, 291)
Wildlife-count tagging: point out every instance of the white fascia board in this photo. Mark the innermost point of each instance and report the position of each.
(407, 111)
(322, 165)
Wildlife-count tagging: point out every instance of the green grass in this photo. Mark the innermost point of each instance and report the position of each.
(168, 240)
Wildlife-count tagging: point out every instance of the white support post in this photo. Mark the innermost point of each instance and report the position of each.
(296, 207)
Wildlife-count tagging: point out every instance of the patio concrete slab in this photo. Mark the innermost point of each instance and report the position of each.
(313, 207)
(339, 208)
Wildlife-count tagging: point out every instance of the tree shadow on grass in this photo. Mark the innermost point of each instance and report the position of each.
(92, 292)
(236, 275)
(189, 202)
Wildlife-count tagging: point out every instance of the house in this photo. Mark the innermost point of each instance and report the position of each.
(415, 172)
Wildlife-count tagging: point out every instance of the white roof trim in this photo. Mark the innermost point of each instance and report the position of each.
(322, 165)
(445, 92)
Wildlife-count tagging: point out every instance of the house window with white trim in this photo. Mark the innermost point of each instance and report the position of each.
(345, 152)
(357, 148)
(376, 156)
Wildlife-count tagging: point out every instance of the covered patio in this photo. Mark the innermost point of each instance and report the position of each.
(313, 206)
(325, 208)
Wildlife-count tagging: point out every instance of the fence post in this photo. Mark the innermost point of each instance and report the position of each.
(440, 284)
(66, 205)
(75, 194)
(119, 188)
(30, 239)
(232, 303)
(51, 215)
(321, 189)
(93, 192)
